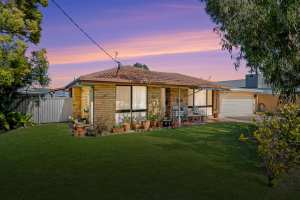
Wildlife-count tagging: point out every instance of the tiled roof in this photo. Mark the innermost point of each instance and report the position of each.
(133, 75)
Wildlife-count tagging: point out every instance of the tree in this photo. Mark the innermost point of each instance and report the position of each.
(20, 26)
(264, 33)
(141, 66)
(279, 141)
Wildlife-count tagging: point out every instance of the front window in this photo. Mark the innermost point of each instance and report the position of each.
(200, 98)
(131, 103)
(139, 98)
(123, 99)
(201, 101)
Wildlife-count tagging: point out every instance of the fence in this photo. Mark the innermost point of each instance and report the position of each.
(48, 109)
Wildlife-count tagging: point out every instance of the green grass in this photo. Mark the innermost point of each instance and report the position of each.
(200, 162)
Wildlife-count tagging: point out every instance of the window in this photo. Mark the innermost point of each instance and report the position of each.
(201, 99)
(120, 117)
(139, 97)
(131, 102)
(123, 98)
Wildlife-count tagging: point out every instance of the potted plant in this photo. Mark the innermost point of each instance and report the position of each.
(126, 123)
(118, 128)
(80, 130)
(135, 125)
(146, 124)
(153, 120)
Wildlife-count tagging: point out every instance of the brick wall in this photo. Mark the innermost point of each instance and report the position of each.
(76, 101)
(105, 105)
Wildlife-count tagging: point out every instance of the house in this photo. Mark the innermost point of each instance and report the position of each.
(247, 96)
(109, 96)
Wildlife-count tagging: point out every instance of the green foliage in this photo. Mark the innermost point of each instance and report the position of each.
(243, 138)
(3, 123)
(20, 22)
(126, 119)
(278, 139)
(153, 117)
(141, 66)
(14, 120)
(266, 35)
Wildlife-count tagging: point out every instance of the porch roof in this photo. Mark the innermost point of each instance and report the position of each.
(133, 75)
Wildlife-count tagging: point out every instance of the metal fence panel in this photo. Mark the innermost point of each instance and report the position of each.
(47, 110)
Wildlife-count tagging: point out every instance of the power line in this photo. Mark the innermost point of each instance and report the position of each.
(85, 33)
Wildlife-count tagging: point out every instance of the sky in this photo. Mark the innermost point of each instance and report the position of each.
(167, 35)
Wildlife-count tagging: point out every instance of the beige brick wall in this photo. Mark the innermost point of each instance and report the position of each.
(76, 101)
(105, 104)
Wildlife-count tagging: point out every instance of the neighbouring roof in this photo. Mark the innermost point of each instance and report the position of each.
(241, 83)
(240, 86)
(133, 75)
(33, 91)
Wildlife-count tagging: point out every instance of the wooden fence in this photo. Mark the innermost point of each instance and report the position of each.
(47, 109)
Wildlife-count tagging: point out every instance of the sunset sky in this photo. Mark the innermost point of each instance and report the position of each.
(167, 35)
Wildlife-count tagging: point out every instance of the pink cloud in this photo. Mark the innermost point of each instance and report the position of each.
(153, 45)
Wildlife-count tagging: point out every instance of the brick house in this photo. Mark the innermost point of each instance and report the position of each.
(108, 96)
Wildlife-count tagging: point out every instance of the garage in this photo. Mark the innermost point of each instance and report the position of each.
(236, 104)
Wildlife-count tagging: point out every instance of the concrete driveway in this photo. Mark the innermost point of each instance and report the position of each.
(245, 119)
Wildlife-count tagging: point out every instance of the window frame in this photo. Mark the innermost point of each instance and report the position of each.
(206, 106)
(131, 110)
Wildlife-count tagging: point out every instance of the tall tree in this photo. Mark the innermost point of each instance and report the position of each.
(264, 33)
(20, 26)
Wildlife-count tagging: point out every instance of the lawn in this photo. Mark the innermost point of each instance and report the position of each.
(200, 162)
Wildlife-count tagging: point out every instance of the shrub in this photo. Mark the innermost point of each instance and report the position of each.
(278, 137)
(3, 122)
(14, 120)
(243, 138)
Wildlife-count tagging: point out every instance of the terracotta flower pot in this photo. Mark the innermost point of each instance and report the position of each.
(118, 130)
(159, 124)
(153, 124)
(126, 127)
(146, 124)
(80, 131)
(135, 126)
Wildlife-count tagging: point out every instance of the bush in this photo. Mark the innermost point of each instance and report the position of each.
(278, 137)
(14, 120)
(3, 122)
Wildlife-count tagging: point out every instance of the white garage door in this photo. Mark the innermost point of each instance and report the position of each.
(233, 105)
